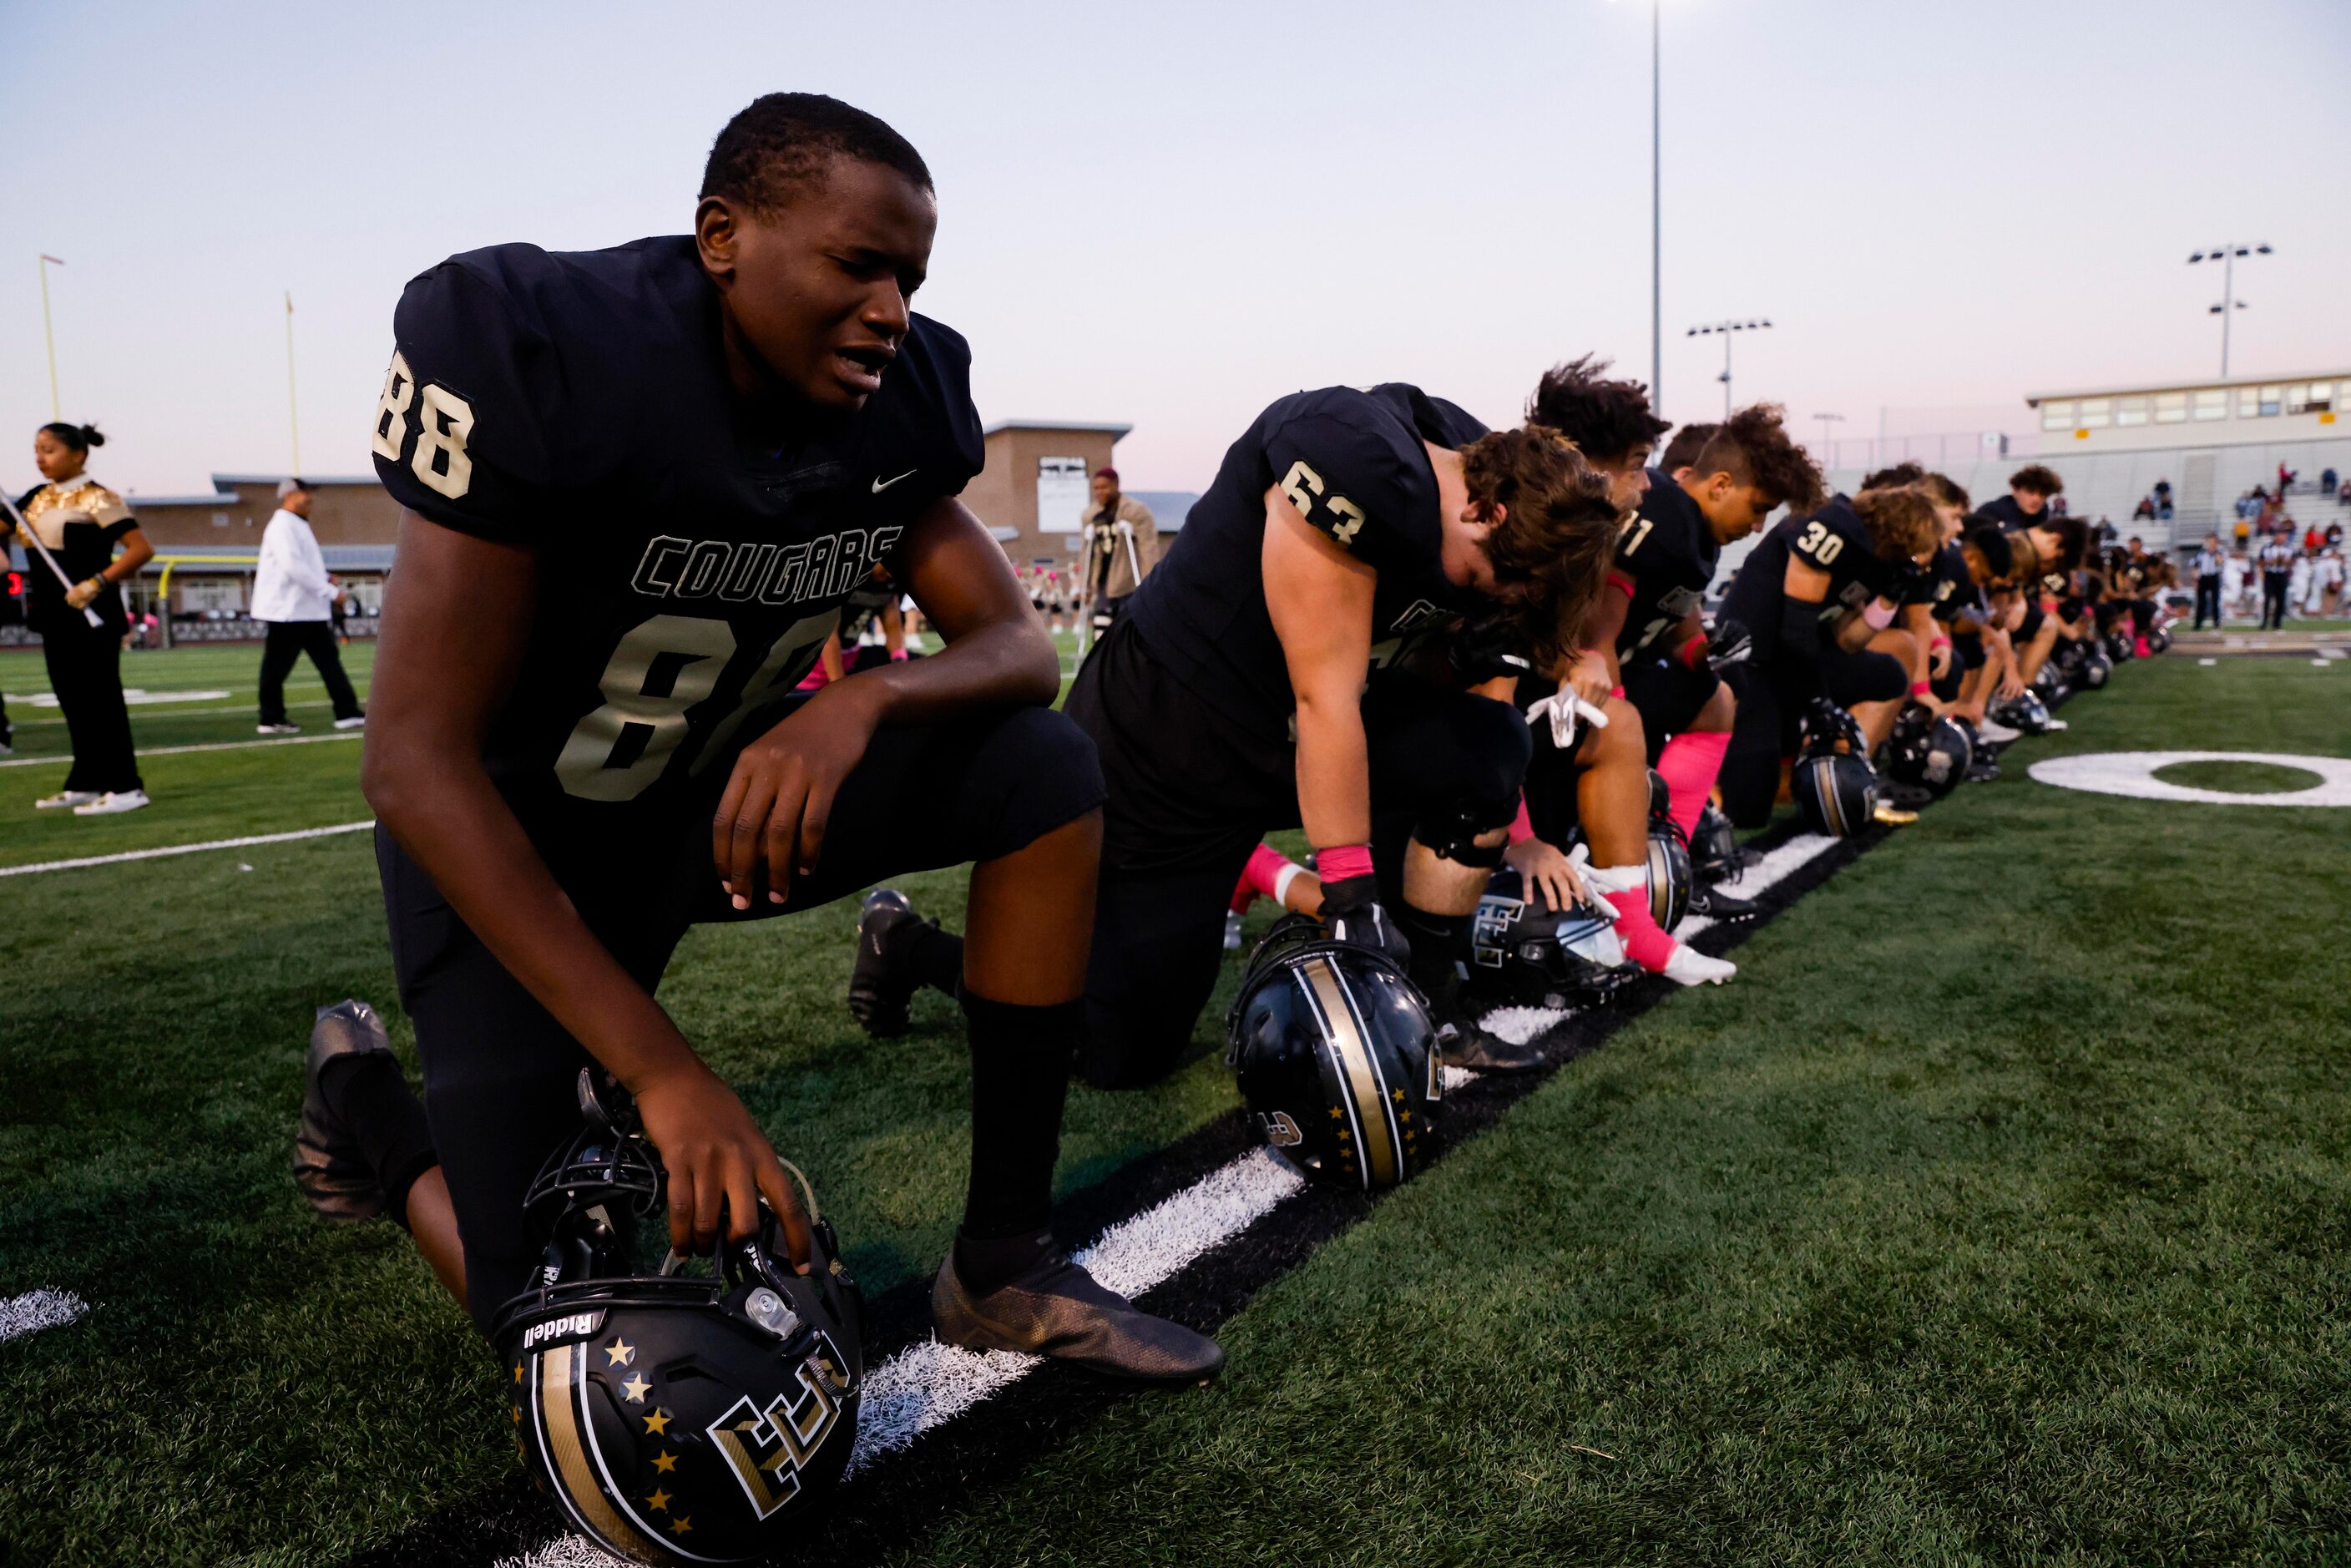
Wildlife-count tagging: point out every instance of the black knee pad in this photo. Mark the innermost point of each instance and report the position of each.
(1452, 832)
(1036, 771)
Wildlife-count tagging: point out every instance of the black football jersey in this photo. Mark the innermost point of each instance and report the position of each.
(1948, 589)
(691, 560)
(2010, 518)
(1353, 463)
(1665, 554)
(2132, 574)
(1833, 540)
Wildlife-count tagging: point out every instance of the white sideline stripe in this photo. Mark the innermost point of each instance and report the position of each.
(927, 1385)
(38, 1310)
(229, 707)
(184, 849)
(208, 745)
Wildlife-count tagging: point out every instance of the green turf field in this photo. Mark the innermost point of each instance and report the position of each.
(1995, 1212)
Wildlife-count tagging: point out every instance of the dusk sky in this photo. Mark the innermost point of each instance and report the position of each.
(1168, 215)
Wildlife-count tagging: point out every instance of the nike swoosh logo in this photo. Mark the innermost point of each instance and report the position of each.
(882, 485)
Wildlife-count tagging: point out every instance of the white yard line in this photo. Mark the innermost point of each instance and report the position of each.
(229, 703)
(927, 1385)
(208, 745)
(38, 1310)
(186, 848)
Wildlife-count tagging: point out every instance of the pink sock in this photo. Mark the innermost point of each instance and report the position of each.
(1262, 876)
(2141, 648)
(1637, 928)
(899, 657)
(1688, 764)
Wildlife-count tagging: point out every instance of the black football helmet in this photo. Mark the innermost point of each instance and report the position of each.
(1714, 849)
(1670, 872)
(2118, 643)
(1337, 1056)
(677, 1416)
(1933, 753)
(2027, 712)
(1523, 955)
(2095, 670)
(1833, 781)
(2158, 637)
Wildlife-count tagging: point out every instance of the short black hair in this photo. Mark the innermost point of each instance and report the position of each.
(1903, 473)
(1607, 419)
(76, 437)
(1682, 450)
(781, 144)
(1993, 545)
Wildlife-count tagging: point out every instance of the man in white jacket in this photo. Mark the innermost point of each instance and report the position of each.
(293, 599)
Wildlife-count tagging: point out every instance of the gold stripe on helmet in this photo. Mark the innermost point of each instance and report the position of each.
(575, 1476)
(1360, 1071)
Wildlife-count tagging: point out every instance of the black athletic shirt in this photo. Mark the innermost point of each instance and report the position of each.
(1667, 553)
(1353, 462)
(1949, 589)
(1835, 541)
(690, 562)
(2003, 513)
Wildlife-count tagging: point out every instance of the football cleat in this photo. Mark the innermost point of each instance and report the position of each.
(328, 1165)
(1689, 967)
(357, 721)
(881, 981)
(1903, 797)
(66, 798)
(1056, 1309)
(1983, 770)
(1886, 816)
(113, 802)
(1991, 732)
(7, 742)
(1469, 1045)
(1710, 902)
(677, 1416)
(278, 729)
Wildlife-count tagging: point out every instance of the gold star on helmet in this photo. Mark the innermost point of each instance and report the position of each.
(664, 1463)
(635, 1388)
(655, 1422)
(683, 1525)
(518, 1372)
(621, 1352)
(659, 1500)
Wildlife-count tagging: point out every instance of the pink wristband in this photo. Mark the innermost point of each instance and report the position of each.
(1616, 692)
(1692, 653)
(1940, 642)
(1522, 827)
(1877, 615)
(1920, 688)
(1342, 862)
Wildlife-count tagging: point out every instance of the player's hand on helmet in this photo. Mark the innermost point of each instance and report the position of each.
(1352, 913)
(1730, 643)
(716, 1159)
(770, 822)
(2011, 685)
(1543, 869)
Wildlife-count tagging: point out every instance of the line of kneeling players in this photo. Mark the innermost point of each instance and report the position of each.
(1873, 651)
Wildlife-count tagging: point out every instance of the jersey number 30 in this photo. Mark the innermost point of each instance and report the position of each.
(445, 421)
(1821, 545)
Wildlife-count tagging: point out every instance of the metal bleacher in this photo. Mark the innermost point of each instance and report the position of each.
(2205, 484)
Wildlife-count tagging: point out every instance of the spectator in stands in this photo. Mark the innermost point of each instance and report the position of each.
(2334, 535)
(2326, 486)
(2286, 476)
(2144, 511)
(2210, 565)
(292, 598)
(2163, 508)
(81, 618)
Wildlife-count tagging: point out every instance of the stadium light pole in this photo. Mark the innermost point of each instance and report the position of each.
(1828, 442)
(48, 336)
(1657, 216)
(1724, 329)
(2227, 255)
(293, 410)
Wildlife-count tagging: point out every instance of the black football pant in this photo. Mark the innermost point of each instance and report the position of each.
(286, 641)
(1669, 695)
(1771, 701)
(1189, 800)
(500, 1072)
(2273, 587)
(2208, 601)
(84, 665)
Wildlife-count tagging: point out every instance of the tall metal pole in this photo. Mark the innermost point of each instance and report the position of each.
(2228, 304)
(49, 337)
(1656, 222)
(293, 411)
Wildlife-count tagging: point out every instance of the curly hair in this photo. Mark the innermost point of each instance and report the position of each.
(1903, 473)
(1607, 419)
(1556, 536)
(2038, 478)
(1948, 491)
(1752, 448)
(780, 143)
(1901, 520)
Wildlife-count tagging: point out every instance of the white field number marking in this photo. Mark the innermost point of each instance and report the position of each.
(2132, 773)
